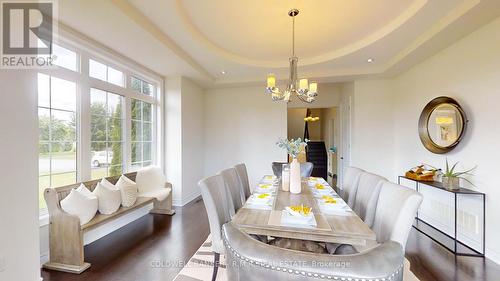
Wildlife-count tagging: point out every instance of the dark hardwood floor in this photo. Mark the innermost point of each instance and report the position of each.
(155, 247)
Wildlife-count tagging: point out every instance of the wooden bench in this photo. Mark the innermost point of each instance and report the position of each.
(66, 233)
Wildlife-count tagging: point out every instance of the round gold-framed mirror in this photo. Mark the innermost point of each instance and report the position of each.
(442, 125)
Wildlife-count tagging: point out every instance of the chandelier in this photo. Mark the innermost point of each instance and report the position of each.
(302, 89)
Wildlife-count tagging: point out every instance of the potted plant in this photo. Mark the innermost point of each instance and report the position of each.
(293, 148)
(451, 178)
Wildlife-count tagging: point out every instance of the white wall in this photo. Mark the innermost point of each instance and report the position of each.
(385, 128)
(19, 244)
(328, 115)
(173, 136)
(295, 122)
(184, 137)
(372, 128)
(242, 125)
(192, 139)
(468, 71)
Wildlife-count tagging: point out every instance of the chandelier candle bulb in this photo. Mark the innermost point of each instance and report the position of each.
(303, 84)
(271, 81)
(313, 87)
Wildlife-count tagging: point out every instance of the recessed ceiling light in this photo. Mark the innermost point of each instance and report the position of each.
(223, 72)
(370, 60)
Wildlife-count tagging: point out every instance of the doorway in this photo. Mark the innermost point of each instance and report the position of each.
(321, 126)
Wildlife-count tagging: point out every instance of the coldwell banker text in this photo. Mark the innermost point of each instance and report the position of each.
(27, 34)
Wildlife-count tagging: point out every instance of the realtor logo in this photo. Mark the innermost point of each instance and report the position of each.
(27, 34)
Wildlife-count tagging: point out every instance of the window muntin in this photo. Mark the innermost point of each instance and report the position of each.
(57, 123)
(107, 142)
(106, 73)
(142, 86)
(141, 134)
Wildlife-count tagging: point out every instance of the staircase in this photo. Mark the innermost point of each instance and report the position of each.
(316, 154)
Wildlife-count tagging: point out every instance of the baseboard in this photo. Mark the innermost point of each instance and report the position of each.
(187, 200)
(44, 258)
(190, 198)
(177, 202)
(493, 255)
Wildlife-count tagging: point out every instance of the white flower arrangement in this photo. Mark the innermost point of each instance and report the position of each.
(292, 146)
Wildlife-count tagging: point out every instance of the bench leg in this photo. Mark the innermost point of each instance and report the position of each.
(66, 245)
(163, 207)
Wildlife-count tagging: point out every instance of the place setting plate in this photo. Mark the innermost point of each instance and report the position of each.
(260, 201)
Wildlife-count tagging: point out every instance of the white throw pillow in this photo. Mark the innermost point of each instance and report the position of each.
(85, 191)
(128, 190)
(151, 181)
(109, 198)
(108, 184)
(79, 204)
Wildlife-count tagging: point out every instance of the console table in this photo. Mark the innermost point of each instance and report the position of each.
(422, 226)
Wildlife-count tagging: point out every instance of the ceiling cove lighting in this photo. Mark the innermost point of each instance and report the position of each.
(304, 90)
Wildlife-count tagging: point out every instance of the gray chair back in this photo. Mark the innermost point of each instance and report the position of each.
(396, 209)
(277, 167)
(251, 260)
(306, 169)
(350, 184)
(215, 198)
(366, 198)
(234, 188)
(241, 170)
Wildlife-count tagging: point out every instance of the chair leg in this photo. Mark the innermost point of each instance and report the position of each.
(216, 265)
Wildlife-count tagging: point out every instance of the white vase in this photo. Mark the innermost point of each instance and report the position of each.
(295, 183)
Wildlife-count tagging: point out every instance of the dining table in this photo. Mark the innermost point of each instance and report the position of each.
(268, 212)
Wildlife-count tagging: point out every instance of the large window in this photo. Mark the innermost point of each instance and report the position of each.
(106, 133)
(142, 134)
(89, 127)
(57, 124)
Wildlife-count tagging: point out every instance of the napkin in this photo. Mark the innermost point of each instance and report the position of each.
(260, 199)
(343, 211)
(268, 179)
(313, 180)
(287, 219)
(322, 189)
(265, 188)
(329, 202)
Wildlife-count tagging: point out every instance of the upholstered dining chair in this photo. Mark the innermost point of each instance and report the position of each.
(248, 260)
(234, 188)
(396, 209)
(241, 170)
(394, 215)
(306, 168)
(350, 184)
(277, 168)
(215, 198)
(366, 197)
